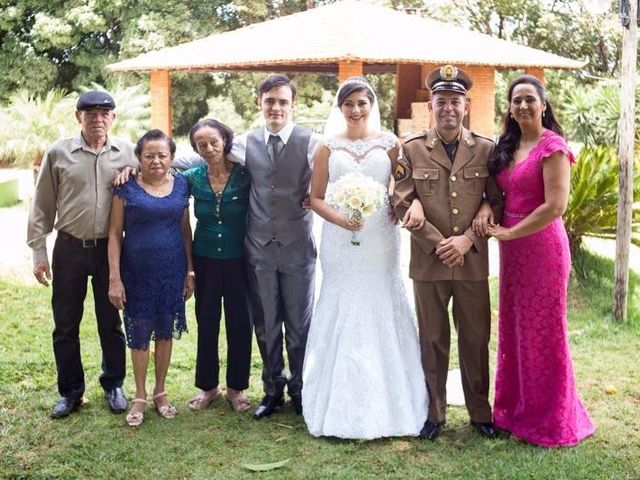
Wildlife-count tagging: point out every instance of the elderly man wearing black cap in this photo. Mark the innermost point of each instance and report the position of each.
(441, 182)
(73, 195)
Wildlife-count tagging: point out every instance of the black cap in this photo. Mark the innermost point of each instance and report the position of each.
(95, 99)
(449, 79)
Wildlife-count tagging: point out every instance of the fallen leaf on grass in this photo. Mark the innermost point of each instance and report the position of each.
(610, 390)
(282, 425)
(265, 467)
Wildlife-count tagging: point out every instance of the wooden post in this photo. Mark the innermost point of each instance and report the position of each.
(348, 68)
(536, 72)
(625, 172)
(408, 82)
(160, 92)
(483, 99)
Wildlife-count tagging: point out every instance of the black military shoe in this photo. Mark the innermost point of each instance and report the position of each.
(296, 401)
(268, 405)
(116, 400)
(431, 430)
(486, 429)
(65, 406)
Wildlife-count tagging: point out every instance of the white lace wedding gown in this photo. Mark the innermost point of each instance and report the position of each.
(362, 374)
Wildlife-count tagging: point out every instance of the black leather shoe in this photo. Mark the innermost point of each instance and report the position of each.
(431, 430)
(65, 406)
(268, 405)
(116, 400)
(296, 401)
(486, 429)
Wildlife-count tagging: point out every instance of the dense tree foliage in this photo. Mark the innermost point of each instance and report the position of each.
(66, 44)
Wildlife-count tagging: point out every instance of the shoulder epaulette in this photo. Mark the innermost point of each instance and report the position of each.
(415, 136)
(482, 136)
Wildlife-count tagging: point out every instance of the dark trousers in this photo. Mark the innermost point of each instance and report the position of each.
(215, 280)
(281, 286)
(472, 320)
(72, 266)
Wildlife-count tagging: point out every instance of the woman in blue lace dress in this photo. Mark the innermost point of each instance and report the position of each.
(150, 272)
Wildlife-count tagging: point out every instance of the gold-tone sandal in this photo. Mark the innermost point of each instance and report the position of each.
(203, 399)
(165, 411)
(135, 419)
(240, 403)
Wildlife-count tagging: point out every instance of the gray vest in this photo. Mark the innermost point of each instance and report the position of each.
(277, 191)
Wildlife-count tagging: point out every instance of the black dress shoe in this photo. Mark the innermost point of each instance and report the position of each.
(431, 430)
(296, 401)
(65, 406)
(486, 429)
(116, 400)
(268, 405)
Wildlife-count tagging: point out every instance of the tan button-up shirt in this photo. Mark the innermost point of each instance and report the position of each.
(74, 190)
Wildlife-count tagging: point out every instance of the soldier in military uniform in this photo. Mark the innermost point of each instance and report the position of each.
(441, 182)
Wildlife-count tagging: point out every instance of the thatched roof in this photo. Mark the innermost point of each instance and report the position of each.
(317, 39)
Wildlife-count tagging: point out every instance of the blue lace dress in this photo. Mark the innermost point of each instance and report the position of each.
(153, 263)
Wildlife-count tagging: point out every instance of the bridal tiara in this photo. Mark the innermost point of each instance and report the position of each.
(359, 81)
(356, 81)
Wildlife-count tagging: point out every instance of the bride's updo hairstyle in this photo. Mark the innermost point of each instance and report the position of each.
(354, 84)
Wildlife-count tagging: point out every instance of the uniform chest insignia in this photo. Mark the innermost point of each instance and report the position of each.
(400, 172)
(433, 142)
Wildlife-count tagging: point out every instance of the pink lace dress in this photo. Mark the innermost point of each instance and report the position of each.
(535, 395)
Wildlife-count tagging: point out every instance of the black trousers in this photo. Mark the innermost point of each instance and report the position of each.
(72, 266)
(215, 280)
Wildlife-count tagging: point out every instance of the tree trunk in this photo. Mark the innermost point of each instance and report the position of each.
(625, 175)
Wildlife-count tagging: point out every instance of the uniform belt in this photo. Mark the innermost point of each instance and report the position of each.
(84, 243)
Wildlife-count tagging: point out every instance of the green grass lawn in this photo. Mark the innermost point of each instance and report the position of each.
(216, 443)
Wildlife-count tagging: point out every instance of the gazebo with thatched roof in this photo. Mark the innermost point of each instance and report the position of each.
(350, 38)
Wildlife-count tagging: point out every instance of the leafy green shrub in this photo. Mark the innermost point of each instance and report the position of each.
(593, 201)
(591, 112)
(31, 122)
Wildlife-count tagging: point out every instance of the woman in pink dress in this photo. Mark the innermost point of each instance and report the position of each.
(535, 395)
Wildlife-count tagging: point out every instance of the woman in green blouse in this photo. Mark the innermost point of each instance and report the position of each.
(220, 190)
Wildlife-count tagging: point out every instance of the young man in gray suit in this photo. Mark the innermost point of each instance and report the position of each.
(280, 249)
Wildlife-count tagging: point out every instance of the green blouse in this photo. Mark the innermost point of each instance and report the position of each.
(222, 216)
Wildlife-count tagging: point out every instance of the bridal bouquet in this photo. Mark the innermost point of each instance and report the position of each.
(357, 196)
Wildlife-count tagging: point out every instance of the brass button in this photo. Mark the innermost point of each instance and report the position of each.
(454, 211)
(477, 174)
(453, 178)
(426, 175)
(454, 194)
(456, 229)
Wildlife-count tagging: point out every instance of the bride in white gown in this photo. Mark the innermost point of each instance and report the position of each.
(362, 374)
